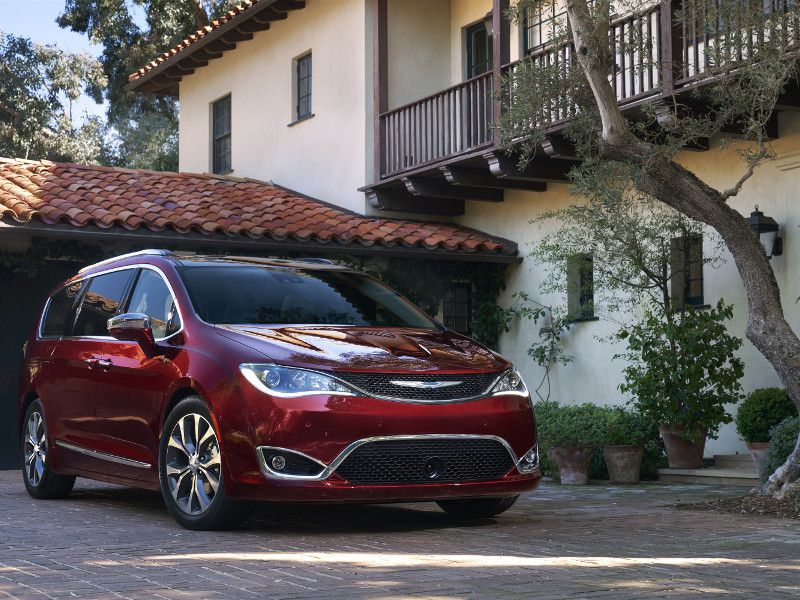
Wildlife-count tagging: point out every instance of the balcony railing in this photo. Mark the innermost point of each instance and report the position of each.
(452, 122)
(654, 54)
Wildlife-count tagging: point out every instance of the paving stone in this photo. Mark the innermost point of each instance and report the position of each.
(559, 542)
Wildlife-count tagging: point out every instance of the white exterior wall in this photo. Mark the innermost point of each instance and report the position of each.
(323, 156)
(594, 376)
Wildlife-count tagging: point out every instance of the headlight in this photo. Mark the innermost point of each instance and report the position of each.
(289, 382)
(510, 382)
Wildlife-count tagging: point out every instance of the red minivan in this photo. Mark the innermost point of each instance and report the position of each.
(223, 381)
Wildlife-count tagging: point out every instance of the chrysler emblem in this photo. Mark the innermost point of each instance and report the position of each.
(426, 385)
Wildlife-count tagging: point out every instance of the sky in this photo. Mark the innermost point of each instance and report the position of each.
(36, 19)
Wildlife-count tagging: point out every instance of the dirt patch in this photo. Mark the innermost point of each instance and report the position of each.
(751, 504)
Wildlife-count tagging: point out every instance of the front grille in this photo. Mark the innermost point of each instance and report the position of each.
(379, 384)
(438, 460)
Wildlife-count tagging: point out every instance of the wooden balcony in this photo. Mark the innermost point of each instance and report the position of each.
(434, 153)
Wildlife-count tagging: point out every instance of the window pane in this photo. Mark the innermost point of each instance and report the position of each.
(221, 135)
(457, 308)
(61, 310)
(303, 86)
(100, 302)
(270, 296)
(151, 297)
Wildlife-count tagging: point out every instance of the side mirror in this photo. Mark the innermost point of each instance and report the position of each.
(134, 327)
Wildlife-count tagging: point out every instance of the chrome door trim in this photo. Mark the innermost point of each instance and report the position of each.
(128, 462)
(350, 448)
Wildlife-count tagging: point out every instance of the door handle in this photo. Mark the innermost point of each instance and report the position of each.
(103, 363)
(92, 362)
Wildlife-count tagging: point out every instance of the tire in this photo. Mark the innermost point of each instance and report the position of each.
(40, 481)
(190, 474)
(477, 508)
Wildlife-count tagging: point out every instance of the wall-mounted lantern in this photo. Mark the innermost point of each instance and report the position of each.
(766, 228)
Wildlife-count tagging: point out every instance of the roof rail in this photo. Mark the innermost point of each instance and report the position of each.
(322, 261)
(149, 252)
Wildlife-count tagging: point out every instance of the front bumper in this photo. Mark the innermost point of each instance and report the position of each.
(328, 428)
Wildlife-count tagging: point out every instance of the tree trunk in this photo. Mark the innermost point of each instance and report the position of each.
(200, 14)
(665, 180)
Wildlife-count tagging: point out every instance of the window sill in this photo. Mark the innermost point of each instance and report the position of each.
(222, 173)
(301, 119)
(582, 319)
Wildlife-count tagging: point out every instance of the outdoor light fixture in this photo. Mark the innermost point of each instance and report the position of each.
(766, 228)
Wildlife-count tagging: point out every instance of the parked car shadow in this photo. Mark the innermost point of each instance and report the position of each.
(274, 518)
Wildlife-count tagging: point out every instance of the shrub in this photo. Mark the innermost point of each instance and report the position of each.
(682, 368)
(596, 426)
(761, 410)
(782, 440)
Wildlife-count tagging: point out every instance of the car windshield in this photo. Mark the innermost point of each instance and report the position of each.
(264, 295)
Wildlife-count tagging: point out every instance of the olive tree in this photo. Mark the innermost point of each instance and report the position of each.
(748, 64)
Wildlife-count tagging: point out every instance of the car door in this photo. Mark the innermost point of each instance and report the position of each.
(133, 380)
(80, 355)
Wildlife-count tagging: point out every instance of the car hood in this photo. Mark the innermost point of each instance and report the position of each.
(366, 348)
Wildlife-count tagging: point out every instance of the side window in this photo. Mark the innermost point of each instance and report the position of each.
(60, 311)
(686, 257)
(221, 136)
(100, 302)
(302, 87)
(151, 297)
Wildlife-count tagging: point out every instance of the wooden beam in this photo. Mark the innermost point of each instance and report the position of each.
(419, 186)
(268, 15)
(505, 167)
(206, 55)
(185, 68)
(234, 36)
(284, 5)
(252, 26)
(501, 52)
(380, 82)
(467, 176)
(220, 45)
(556, 146)
(397, 200)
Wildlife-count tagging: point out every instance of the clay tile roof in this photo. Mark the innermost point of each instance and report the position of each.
(106, 197)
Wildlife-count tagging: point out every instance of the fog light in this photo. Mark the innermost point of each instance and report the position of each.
(278, 462)
(530, 461)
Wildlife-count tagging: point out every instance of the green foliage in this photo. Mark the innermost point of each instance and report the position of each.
(782, 440)
(38, 86)
(146, 125)
(682, 368)
(597, 426)
(762, 410)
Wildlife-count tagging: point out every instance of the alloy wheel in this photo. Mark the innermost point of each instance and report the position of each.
(35, 448)
(193, 466)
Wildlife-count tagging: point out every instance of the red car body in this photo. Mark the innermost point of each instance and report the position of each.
(106, 399)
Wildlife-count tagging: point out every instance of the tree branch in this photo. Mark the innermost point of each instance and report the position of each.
(753, 162)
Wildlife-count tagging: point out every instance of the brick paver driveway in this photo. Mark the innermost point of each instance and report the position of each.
(558, 542)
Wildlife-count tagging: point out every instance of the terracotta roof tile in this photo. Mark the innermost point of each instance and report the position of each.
(108, 197)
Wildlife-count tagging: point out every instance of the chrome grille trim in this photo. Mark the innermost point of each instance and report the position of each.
(344, 377)
(340, 458)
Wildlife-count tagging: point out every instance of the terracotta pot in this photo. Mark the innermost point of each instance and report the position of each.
(683, 453)
(573, 464)
(758, 450)
(624, 463)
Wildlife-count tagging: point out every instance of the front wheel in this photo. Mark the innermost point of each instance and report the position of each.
(40, 481)
(190, 471)
(477, 508)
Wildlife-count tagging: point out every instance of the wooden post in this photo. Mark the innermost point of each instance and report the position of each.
(380, 96)
(667, 56)
(500, 56)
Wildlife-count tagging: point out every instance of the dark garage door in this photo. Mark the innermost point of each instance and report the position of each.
(20, 301)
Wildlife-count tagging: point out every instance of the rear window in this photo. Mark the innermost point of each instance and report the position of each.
(249, 295)
(100, 302)
(60, 310)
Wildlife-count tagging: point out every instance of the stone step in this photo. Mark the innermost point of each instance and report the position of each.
(733, 461)
(711, 476)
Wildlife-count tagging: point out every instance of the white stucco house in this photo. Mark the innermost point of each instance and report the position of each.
(384, 107)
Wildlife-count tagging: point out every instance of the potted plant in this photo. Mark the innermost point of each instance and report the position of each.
(623, 448)
(569, 437)
(682, 371)
(760, 411)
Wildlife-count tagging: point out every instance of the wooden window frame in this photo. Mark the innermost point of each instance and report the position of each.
(470, 67)
(687, 285)
(218, 137)
(544, 23)
(300, 112)
(452, 301)
(580, 287)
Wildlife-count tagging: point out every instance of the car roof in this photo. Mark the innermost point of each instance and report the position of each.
(191, 259)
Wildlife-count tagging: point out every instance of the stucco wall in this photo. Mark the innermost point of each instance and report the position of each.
(323, 156)
(594, 376)
(418, 51)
